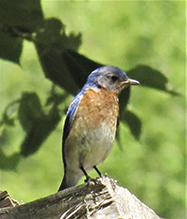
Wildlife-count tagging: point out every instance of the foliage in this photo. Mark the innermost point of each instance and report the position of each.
(67, 70)
(63, 66)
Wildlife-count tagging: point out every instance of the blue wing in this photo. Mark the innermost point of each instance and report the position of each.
(71, 113)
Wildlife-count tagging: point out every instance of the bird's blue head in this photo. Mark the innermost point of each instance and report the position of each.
(109, 77)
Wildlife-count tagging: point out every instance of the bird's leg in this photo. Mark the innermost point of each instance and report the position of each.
(96, 169)
(88, 178)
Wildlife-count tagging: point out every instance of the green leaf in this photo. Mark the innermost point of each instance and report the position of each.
(79, 66)
(53, 35)
(60, 62)
(124, 99)
(151, 78)
(9, 162)
(51, 43)
(55, 69)
(56, 98)
(40, 130)
(30, 109)
(25, 15)
(133, 122)
(11, 47)
(17, 18)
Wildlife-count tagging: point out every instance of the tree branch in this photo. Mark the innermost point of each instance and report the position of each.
(101, 198)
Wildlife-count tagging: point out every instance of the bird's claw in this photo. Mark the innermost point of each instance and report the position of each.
(91, 181)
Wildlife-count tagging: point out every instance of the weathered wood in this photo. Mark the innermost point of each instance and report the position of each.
(6, 200)
(97, 200)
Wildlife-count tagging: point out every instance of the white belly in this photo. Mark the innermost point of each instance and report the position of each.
(89, 148)
(96, 147)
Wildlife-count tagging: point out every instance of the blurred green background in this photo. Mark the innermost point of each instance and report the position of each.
(124, 34)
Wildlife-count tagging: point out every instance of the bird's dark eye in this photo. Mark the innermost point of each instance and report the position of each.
(114, 78)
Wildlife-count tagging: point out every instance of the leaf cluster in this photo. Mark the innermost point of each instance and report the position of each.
(63, 65)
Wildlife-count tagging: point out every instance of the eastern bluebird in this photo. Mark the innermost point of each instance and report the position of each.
(91, 123)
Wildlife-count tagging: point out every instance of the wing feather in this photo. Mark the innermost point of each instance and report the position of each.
(70, 117)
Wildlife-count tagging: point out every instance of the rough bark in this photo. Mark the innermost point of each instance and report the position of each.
(99, 199)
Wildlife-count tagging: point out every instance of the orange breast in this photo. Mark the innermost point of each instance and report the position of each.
(97, 106)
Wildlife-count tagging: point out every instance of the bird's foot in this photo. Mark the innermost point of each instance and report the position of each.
(91, 181)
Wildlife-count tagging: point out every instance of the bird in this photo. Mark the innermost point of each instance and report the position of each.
(91, 123)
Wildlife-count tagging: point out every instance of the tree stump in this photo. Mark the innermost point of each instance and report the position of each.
(99, 199)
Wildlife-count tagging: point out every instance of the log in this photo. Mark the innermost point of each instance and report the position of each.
(6, 200)
(99, 199)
